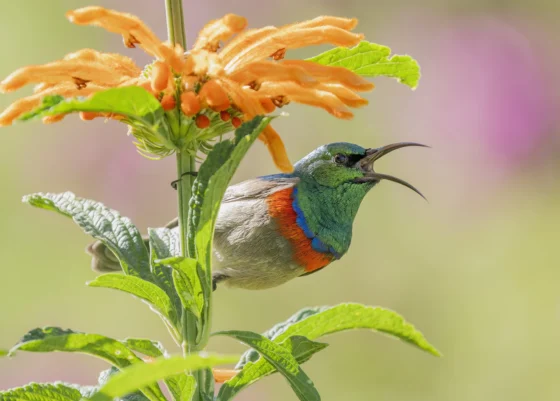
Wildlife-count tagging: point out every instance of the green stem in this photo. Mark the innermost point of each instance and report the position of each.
(185, 165)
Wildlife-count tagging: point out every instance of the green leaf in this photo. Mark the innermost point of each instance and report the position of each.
(3, 352)
(187, 283)
(104, 377)
(41, 392)
(139, 376)
(107, 225)
(282, 359)
(181, 385)
(51, 339)
(301, 348)
(372, 60)
(315, 322)
(46, 103)
(209, 187)
(143, 289)
(147, 347)
(132, 101)
(164, 243)
(351, 316)
(252, 355)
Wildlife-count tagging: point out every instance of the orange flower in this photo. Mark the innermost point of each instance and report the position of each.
(246, 78)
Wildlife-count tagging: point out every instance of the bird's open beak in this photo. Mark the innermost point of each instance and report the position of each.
(370, 175)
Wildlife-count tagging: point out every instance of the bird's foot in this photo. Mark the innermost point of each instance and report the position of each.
(174, 183)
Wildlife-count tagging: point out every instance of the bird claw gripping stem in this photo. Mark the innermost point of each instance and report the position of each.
(174, 183)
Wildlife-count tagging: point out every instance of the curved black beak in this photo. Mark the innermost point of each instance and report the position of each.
(370, 175)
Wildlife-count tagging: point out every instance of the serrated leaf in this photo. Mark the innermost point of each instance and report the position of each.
(144, 346)
(132, 101)
(315, 322)
(187, 283)
(41, 392)
(181, 386)
(151, 293)
(164, 243)
(107, 225)
(349, 316)
(282, 359)
(301, 348)
(372, 60)
(277, 329)
(139, 376)
(51, 339)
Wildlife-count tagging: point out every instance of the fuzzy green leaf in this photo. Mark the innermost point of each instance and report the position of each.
(351, 316)
(132, 101)
(143, 289)
(42, 392)
(210, 185)
(164, 243)
(140, 376)
(282, 359)
(144, 346)
(187, 283)
(107, 225)
(372, 60)
(52, 339)
(182, 385)
(315, 322)
(46, 103)
(252, 355)
(301, 348)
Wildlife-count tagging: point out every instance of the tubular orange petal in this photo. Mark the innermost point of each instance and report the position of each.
(61, 71)
(266, 70)
(223, 375)
(309, 96)
(339, 75)
(243, 40)
(348, 97)
(53, 119)
(190, 104)
(219, 30)
(160, 76)
(293, 39)
(133, 30)
(122, 64)
(246, 100)
(214, 95)
(277, 149)
(325, 20)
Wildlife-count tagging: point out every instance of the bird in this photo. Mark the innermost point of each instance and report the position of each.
(274, 228)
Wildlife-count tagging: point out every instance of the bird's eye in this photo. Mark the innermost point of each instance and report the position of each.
(339, 158)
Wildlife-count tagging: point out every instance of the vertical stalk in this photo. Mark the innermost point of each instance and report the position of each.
(186, 165)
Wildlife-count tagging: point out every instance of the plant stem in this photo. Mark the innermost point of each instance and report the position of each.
(185, 165)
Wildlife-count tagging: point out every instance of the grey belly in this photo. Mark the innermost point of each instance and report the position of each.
(249, 251)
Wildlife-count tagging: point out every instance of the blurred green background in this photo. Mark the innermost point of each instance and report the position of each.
(476, 269)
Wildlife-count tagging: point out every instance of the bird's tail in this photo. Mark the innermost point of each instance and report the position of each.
(103, 260)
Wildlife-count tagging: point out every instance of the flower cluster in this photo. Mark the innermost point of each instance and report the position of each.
(212, 89)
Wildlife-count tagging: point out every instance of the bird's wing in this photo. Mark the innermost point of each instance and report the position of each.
(257, 188)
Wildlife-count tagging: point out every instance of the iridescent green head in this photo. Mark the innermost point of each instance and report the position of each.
(347, 166)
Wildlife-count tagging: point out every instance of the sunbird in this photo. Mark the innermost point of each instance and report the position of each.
(274, 228)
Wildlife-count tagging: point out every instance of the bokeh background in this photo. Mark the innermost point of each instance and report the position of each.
(477, 269)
